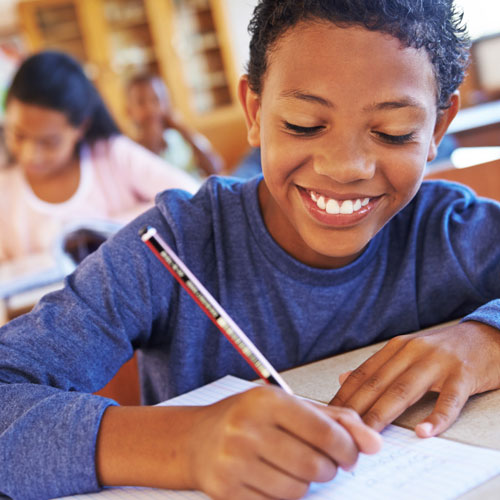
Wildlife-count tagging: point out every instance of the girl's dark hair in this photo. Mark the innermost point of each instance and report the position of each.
(434, 25)
(56, 81)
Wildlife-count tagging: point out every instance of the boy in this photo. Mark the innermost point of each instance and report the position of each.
(337, 246)
(160, 129)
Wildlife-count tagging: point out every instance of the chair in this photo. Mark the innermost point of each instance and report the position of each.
(483, 178)
(124, 386)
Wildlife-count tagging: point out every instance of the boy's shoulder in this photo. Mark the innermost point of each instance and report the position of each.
(439, 194)
(440, 205)
(219, 190)
(222, 198)
(432, 187)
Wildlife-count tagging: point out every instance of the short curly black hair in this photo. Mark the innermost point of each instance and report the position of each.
(434, 25)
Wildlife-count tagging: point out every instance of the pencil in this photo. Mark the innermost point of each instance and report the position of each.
(245, 347)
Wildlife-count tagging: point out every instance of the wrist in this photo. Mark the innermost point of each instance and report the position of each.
(146, 446)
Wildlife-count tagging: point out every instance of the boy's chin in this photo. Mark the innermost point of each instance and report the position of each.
(333, 258)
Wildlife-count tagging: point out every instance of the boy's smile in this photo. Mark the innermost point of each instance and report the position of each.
(337, 210)
(346, 123)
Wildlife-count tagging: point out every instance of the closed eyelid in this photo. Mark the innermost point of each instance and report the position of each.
(302, 129)
(397, 139)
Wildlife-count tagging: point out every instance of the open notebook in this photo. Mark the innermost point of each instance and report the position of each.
(407, 468)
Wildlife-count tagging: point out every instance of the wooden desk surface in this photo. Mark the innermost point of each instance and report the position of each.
(478, 424)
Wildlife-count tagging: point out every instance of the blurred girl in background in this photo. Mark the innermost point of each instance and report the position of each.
(71, 162)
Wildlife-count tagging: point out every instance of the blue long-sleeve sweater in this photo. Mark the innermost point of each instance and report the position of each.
(437, 260)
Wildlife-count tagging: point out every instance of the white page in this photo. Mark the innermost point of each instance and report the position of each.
(407, 468)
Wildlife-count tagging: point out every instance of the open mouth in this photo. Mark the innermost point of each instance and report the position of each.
(333, 206)
(338, 210)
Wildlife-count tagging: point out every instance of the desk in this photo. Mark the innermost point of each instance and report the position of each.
(478, 423)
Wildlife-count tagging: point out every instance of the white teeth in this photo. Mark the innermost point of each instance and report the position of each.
(347, 207)
(332, 206)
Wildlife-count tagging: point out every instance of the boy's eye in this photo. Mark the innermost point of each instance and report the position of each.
(396, 139)
(297, 129)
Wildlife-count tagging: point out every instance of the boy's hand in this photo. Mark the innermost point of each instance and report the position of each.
(456, 361)
(173, 119)
(266, 444)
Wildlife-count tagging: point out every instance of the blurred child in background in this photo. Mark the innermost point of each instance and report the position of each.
(71, 162)
(159, 128)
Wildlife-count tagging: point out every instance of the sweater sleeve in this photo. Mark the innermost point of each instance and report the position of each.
(488, 314)
(480, 256)
(69, 346)
(471, 228)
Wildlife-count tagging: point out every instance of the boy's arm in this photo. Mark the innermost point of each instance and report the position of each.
(206, 158)
(456, 361)
(259, 443)
(70, 345)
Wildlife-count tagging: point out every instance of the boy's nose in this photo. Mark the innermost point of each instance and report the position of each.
(346, 161)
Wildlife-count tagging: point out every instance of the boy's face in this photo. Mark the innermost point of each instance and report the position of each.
(146, 104)
(346, 122)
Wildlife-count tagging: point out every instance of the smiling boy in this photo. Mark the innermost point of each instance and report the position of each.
(345, 134)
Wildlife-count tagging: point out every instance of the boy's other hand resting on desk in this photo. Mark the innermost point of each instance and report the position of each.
(262, 443)
(456, 361)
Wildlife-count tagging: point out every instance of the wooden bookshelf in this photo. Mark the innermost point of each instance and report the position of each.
(186, 42)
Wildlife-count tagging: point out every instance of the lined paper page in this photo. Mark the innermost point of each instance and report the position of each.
(407, 468)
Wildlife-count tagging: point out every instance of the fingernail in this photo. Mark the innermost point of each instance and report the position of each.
(424, 429)
(349, 468)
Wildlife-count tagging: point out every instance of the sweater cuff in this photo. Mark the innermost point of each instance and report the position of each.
(52, 447)
(488, 314)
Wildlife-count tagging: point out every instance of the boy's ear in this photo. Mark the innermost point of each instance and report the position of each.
(250, 103)
(445, 117)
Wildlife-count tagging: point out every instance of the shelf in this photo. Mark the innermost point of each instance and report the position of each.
(133, 56)
(124, 12)
(183, 41)
(128, 25)
(62, 33)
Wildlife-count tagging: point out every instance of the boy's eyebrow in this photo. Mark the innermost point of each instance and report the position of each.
(304, 96)
(404, 102)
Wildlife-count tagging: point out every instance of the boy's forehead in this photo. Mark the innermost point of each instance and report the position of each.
(317, 54)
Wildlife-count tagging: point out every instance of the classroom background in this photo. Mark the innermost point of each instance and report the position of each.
(199, 48)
